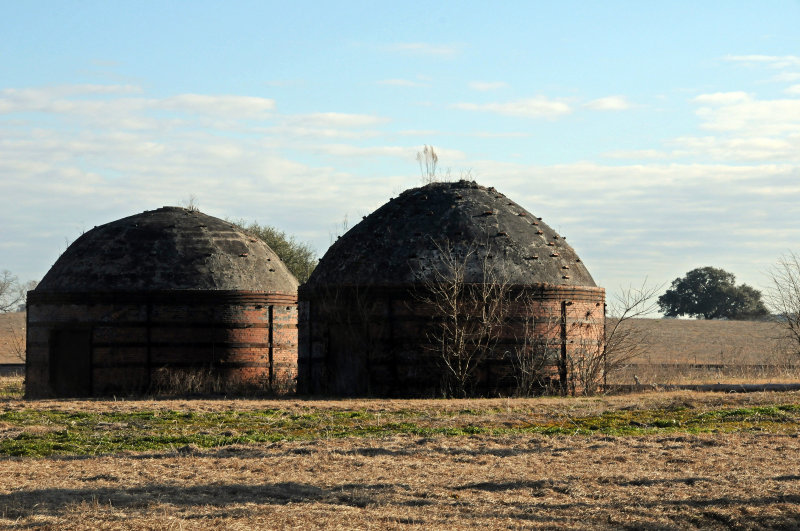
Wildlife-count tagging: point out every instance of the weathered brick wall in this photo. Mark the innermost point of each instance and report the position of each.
(361, 341)
(240, 338)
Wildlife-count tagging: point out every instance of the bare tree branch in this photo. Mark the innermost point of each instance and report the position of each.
(535, 355)
(12, 293)
(623, 342)
(784, 296)
(469, 315)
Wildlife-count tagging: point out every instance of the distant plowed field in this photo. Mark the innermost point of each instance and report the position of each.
(683, 351)
(719, 342)
(12, 330)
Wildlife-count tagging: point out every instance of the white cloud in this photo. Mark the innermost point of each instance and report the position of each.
(786, 77)
(337, 119)
(772, 61)
(741, 113)
(794, 90)
(346, 150)
(610, 103)
(226, 105)
(538, 107)
(285, 170)
(93, 104)
(652, 154)
(484, 86)
(497, 134)
(723, 98)
(741, 148)
(404, 152)
(424, 48)
(401, 83)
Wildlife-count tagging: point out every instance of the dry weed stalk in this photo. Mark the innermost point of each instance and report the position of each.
(428, 160)
(171, 381)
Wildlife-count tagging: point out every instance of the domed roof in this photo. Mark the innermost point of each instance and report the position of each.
(171, 248)
(404, 240)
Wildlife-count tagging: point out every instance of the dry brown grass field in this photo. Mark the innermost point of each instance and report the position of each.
(700, 341)
(655, 460)
(668, 460)
(12, 330)
(688, 351)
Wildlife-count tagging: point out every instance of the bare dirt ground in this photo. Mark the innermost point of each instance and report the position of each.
(742, 479)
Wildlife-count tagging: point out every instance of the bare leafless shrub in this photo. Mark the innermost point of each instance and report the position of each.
(611, 343)
(13, 295)
(784, 298)
(535, 355)
(12, 292)
(16, 342)
(468, 316)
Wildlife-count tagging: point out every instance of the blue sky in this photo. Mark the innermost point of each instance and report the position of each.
(657, 136)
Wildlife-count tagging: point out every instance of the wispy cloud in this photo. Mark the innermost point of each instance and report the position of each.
(741, 148)
(403, 152)
(484, 86)
(424, 48)
(337, 119)
(786, 77)
(538, 107)
(723, 98)
(497, 134)
(401, 83)
(92, 102)
(609, 103)
(635, 154)
(772, 61)
(739, 112)
(228, 106)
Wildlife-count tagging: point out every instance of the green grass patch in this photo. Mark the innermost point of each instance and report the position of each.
(12, 387)
(40, 433)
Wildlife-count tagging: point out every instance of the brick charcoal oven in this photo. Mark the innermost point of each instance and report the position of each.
(169, 298)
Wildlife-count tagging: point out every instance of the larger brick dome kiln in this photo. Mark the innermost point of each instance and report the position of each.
(368, 319)
(156, 298)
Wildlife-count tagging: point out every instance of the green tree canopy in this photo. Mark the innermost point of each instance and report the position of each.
(299, 257)
(711, 293)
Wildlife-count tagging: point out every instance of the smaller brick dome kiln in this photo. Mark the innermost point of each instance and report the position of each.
(375, 315)
(167, 299)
